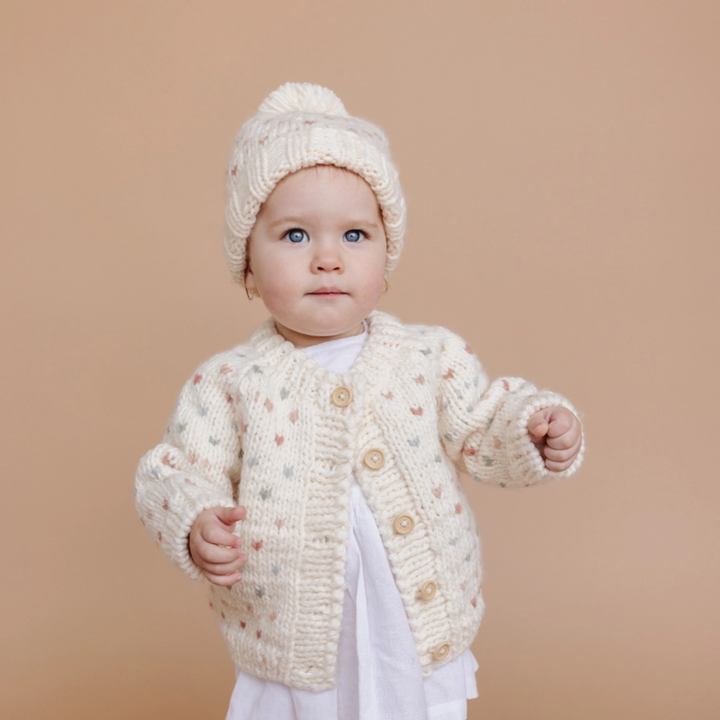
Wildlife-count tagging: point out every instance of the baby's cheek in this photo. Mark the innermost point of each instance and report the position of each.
(373, 280)
(276, 295)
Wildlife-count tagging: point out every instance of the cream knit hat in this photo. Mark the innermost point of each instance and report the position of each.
(298, 126)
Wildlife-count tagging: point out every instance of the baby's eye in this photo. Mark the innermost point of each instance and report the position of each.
(354, 235)
(296, 235)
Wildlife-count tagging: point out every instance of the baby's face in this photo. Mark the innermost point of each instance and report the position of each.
(317, 254)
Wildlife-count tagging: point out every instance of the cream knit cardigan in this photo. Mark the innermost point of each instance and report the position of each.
(263, 426)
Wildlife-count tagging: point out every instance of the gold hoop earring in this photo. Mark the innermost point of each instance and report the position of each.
(251, 294)
(387, 287)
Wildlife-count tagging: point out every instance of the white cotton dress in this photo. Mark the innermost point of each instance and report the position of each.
(378, 670)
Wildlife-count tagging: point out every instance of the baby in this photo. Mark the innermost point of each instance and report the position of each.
(309, 475)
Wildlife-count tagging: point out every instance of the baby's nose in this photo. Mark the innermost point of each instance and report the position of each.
(328, 266)
(328, 259)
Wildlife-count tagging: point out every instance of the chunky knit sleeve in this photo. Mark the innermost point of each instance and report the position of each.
(483, 425)
(195, 467)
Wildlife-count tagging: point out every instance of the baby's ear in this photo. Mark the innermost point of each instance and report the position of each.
(251, 289)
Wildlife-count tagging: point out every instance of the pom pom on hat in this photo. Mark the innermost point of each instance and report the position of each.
(303, 97)
(297, 126)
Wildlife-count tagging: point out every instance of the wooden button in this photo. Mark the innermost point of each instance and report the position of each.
(374, 459)
(342, 396)
(428, 590)
(441, 651)
(404, 524)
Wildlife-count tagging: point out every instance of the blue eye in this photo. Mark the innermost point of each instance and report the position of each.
(296, 235)
(354, 236)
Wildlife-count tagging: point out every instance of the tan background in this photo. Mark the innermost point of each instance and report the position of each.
(561, 162)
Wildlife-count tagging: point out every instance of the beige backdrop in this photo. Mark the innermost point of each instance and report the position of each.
(562, 167)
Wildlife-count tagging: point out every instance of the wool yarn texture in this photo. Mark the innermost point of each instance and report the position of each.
(263, 426)
(301, 125)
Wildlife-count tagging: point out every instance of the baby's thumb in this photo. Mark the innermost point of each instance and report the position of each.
(537, 426)
(230, 515)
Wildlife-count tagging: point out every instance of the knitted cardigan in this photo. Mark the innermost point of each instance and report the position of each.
(263, 426)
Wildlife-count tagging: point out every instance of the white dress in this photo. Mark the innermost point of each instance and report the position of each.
(378, 670)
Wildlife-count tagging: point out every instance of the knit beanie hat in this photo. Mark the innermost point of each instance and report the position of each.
(297, 126)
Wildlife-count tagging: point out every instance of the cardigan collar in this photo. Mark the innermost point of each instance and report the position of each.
(385, 336)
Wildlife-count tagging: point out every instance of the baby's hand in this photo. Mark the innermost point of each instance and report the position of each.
(557, 435)
(213, 547)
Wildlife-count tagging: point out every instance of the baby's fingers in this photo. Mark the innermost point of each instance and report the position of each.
(230, 515)
(558, 467)
(537, 426)
(564, 435)
(223, 580)
(562, 421)
(558, 460)
(216, 535)
(213, 570)
(216, 554)
(224, 568)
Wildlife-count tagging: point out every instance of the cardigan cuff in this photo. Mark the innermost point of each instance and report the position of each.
(183, 509)
(525, 464)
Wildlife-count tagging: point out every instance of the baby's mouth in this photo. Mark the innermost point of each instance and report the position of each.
(328, 291)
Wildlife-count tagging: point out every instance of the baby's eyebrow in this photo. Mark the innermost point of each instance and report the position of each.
(364, 222)
(294, 220)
